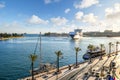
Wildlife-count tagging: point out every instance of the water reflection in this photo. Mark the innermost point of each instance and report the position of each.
(76, 42)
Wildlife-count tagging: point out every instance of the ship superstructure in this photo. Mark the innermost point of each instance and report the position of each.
(77, 34)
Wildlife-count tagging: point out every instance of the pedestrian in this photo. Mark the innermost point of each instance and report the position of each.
(69, 67)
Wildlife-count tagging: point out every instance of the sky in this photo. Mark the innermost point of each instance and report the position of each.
(34, 16)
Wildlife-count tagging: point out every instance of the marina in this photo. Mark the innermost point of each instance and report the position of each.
(85, 70)
(59, 40)
(20, 48)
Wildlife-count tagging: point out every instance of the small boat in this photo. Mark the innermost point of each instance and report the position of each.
(93, 53)
(45, 67)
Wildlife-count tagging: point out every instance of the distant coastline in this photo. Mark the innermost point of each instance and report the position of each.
(6, 36)
(50, 34)
(106, 33)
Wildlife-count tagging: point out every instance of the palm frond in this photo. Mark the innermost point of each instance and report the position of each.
(111, 44)
(91, 47)
(58, 53)
(77, 49)
(117, 42)
(32, 57)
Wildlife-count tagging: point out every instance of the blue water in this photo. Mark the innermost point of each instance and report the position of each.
(14, 61)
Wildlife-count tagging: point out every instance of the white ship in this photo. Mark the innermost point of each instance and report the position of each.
(77, 34)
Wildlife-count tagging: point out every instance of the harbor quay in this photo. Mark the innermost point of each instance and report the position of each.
(97, 69)
(59, 39)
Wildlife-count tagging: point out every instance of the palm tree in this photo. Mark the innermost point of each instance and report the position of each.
(59, 54)
(116, 50)
(77, 49)
(91, 48)
(117, 47)
(33, 58)
(101, 46)
(114, 57)
(110, 46)
(102, 72)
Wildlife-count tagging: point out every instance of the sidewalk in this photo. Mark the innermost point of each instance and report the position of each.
(79, 73)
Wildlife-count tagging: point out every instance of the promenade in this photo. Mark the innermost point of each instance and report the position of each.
(96, 70)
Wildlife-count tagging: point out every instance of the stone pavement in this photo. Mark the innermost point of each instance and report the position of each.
(85, 70)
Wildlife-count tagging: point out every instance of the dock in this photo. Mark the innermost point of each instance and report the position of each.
(97, 69)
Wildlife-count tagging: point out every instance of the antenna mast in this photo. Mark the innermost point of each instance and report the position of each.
(40, 51)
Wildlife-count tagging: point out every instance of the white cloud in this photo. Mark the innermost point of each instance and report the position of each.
(17, 27)
(111, 21)
(70, 27)
(113, 13)
(87, 18)
(112, 17)
(59, 21)
(67, 10)
(50, 1)
(13, 27)
(99, 5)
(47, 1)
(12, 24)
(2, 5)
(90, 18)
(79, 15)
(36, 20)
(85, 3)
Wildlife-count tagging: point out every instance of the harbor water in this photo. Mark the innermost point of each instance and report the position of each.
(15, 63)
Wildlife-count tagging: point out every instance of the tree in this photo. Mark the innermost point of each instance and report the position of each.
(101, 47)
(58, 54)
(110, 46)
(91, 48)
(102, 74)
(77, 49)
(117, 47)
(33, 58)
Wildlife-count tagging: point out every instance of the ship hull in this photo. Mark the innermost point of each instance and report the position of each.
(75, 37)
(72, 36)
(77, 34)
(93, 55)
